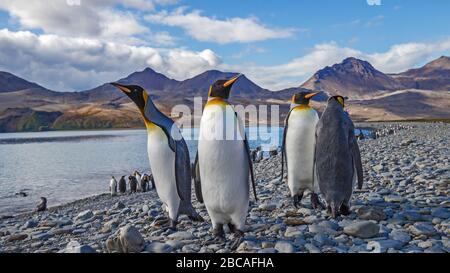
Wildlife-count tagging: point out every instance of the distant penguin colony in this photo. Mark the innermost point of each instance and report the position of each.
(321, 157)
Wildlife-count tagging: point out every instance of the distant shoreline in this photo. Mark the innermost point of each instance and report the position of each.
(281, 124)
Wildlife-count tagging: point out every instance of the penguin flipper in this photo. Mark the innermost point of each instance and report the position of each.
(197, 181)
(283, 144)
(357, 163)
(249, 159)
(182, 168)
(250, 165)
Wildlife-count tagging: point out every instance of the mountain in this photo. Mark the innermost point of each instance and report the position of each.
(432, 76)
(10, 82)
(353, 78)
(148, 78)
(27, 106)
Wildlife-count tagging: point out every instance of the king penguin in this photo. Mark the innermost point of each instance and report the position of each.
(223, 163)
(299, 139)
(337, 157)
(168, 155)
(122, 184)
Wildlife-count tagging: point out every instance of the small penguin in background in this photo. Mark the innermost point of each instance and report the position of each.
(151, 180)
(138, 179)
(225, 164)
(122, 185)
(132, 181)
(299, 139)
(113, 186)
(144, 183)
(42, 206)
(337, 157)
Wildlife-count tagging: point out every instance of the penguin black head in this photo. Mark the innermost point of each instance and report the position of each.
(339, 99)
(303, 97)
(222, 88)
(136, 93)
(44, 200)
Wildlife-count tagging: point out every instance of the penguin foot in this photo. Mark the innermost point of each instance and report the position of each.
(315, 202)
(344, 210)
(238, 239)
(196, 218)
(219, 235)
(173, 224)
(161, 221)
(333, 211)
(297, 200)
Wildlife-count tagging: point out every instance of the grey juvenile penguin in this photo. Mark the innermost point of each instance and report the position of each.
(337, 157)
(144, 183)
(42, 206)
(133, 183)
(122, 184)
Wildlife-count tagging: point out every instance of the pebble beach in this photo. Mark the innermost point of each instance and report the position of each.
(404, 206)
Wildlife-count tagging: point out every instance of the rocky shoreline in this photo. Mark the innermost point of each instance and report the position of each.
(404, 206)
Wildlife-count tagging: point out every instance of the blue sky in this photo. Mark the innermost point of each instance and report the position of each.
(78, 44)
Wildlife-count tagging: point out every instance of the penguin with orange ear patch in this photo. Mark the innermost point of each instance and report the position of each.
(168, 155)
(298, 146)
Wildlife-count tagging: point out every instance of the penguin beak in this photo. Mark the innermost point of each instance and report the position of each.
(232, 81)
(122, 88)
(310, 95)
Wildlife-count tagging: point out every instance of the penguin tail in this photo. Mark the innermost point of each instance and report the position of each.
(186, 208)
(334, 210)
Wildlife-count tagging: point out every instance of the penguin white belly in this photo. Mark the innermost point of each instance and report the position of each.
(300, 144)
(162, 164)
(224, 170)
(138, 179)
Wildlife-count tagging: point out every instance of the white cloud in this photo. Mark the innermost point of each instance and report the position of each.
(207, 29)
(93, 18)
(66, 63)
(398, 58)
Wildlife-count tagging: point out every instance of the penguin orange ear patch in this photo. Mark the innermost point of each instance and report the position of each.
(341, 100)
(293, 98)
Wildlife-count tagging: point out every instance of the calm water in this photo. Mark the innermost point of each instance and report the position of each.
(66, 166)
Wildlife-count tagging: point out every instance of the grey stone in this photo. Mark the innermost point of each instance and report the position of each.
(119, 205)
(382, 246)
(76, 247)
(181, 235)
(422, 228)
(367, 213)
(30, 224)
(284, 247)
(315, 228)
(84, 215)
(400, 235)
(267, 206)
(145, 209)
(442, 213)
(128, 240)
(362, 229)
(157, 247)
(292, 232)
